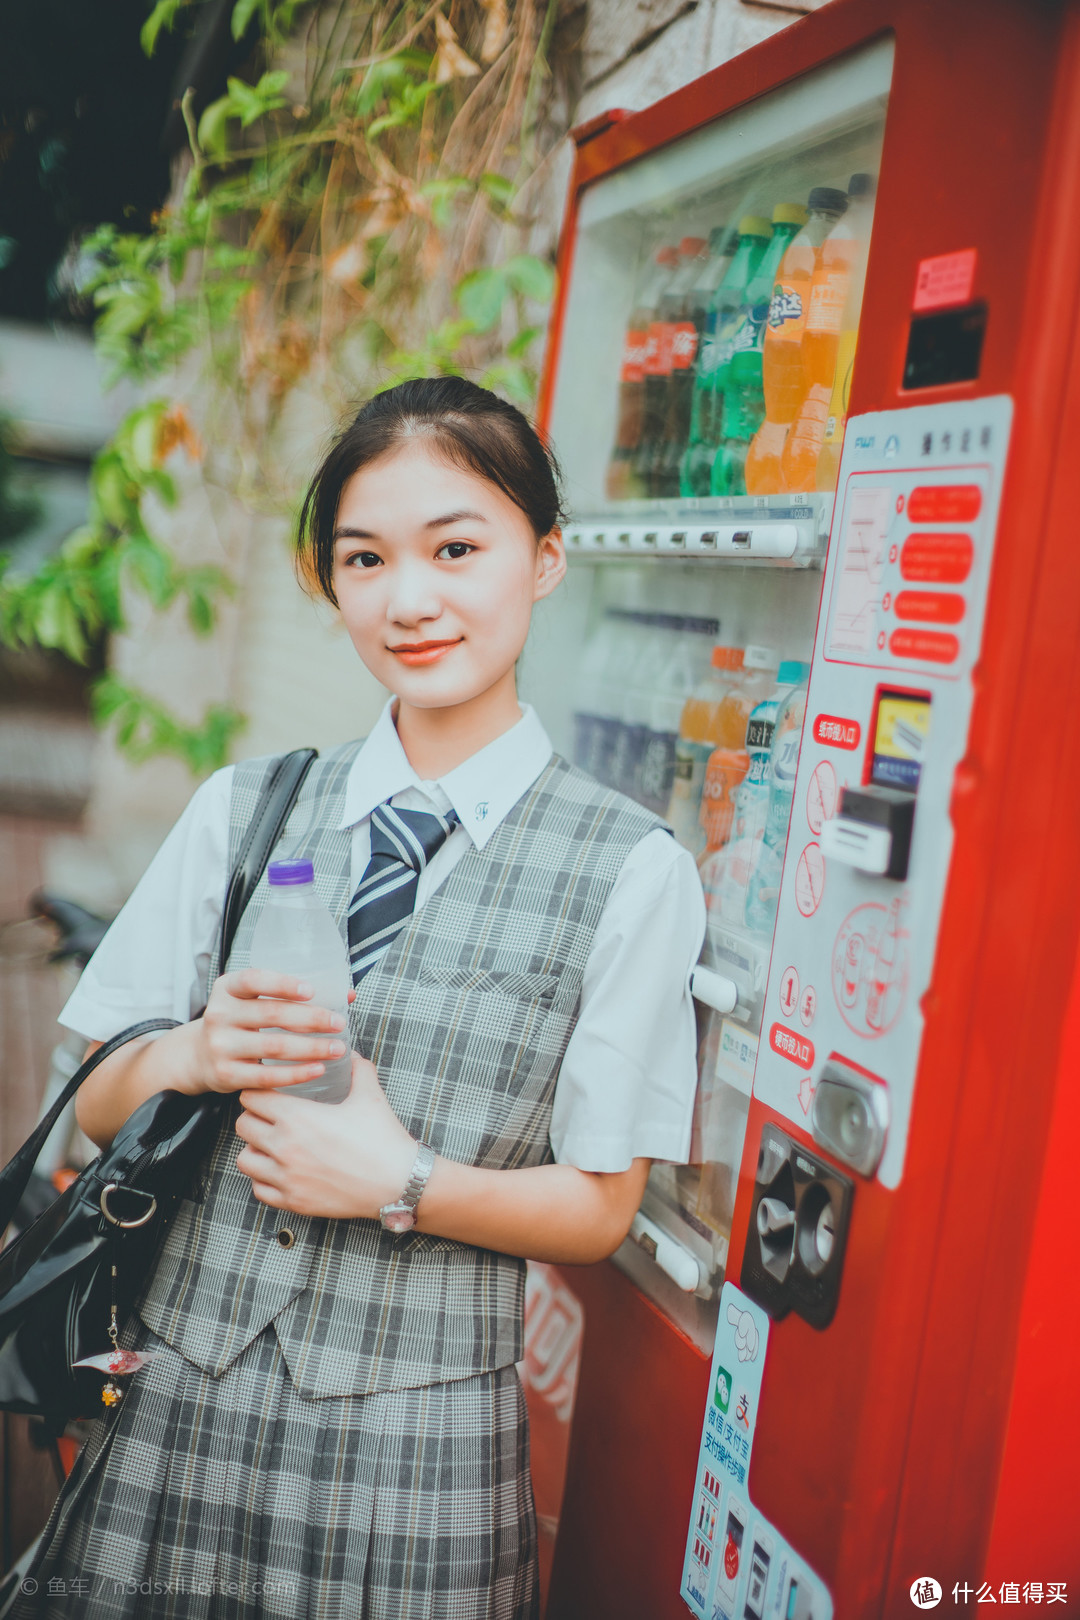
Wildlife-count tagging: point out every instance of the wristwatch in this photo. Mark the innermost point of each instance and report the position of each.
(401, 1216)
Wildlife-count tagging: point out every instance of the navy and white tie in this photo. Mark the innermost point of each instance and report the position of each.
(402, 844)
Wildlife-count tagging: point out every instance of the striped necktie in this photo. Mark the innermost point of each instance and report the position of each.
(402, 844)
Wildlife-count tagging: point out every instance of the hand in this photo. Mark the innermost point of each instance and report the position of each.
(233, 1038)
(342, 1159)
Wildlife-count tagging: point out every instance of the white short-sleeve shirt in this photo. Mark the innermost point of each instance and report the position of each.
(626, 1086)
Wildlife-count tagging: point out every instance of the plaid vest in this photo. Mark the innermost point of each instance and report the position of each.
(466, 1018)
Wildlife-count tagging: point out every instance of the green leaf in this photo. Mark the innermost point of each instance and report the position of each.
(243, 11)
(480, 297)
(519, 346)
(162, 17)
(498, 188)
(212, 129)
(530, 276)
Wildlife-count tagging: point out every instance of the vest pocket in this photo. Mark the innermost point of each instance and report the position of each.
(536, 989)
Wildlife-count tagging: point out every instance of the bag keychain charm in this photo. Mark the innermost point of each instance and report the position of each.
(115, 1361)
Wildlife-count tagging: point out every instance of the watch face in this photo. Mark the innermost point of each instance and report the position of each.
(396, 1219)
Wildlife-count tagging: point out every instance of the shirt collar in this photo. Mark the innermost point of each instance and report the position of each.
(482, 789)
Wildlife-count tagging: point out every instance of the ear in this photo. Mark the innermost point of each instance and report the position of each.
(550, 564)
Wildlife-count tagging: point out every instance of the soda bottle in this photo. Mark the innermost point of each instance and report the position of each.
(702, 728)
(861, 190)
(840, 272)
(686, 353)
(659, 362)
(720, 323)
(744, 400)
(783, 377)
(656, 274)
(678, 679)
(296, 934)
(763, 889)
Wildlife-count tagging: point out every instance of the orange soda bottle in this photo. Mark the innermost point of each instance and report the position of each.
(729, 761)
(840, 271)
(704, 723)
(783, 374)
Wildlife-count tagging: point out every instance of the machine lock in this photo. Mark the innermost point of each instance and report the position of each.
(850, 1116)
(872, 831)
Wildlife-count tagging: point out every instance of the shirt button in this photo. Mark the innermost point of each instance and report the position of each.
(286, 1238)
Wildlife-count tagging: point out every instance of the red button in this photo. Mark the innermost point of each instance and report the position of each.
(932, 607)
(937, 559)
(796, 1048)
(836, 732)
(933, 646)
(945, 503)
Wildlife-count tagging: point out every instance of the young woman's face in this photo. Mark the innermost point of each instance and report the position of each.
(436, 572)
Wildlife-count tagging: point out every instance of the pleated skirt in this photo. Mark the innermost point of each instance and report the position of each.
(235, 1498)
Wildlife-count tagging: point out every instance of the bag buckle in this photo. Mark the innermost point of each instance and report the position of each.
(111, 1187)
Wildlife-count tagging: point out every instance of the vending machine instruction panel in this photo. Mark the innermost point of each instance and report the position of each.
(887, 720)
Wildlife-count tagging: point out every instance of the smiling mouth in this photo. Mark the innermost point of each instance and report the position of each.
(424, 652)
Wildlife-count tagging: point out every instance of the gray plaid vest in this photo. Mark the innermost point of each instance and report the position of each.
(466, 1017)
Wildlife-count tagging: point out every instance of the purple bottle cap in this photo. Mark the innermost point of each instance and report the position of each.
(280, 873)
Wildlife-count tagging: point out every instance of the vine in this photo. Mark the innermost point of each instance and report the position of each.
(348, 216)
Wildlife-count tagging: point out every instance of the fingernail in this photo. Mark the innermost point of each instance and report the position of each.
(337, 1048)
(336, 1021)
(303, 989)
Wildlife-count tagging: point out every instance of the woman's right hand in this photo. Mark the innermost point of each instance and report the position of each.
(238, 1030)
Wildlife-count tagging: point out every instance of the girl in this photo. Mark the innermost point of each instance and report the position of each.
(331, 1425)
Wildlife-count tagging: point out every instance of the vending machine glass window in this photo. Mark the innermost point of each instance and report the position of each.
(709, 336)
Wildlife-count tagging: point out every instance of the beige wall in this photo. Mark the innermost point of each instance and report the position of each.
(282, 659)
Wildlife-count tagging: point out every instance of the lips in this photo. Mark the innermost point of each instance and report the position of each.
(423, 652)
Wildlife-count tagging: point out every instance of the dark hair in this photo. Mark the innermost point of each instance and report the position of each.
(467, 425)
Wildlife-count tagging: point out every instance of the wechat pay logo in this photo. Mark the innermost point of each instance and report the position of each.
(722, 1392)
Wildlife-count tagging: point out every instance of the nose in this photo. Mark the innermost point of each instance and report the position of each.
(413, 597)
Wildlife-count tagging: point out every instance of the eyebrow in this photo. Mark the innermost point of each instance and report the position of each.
(345, 533)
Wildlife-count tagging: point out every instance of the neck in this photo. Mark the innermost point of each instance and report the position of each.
(437, 740)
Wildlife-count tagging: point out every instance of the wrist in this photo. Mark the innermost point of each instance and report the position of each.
(186, 1063)
(399, 1213)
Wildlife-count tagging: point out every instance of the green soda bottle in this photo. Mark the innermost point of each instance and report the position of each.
(721, 323)
(744, 395)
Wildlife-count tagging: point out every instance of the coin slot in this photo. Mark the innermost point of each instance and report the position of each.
(817, 1230)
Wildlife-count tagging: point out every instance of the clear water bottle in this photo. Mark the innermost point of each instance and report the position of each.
(296, 934)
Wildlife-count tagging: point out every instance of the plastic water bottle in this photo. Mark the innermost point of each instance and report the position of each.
(653, 636)
(763, 890)
(592, 745)
(296, 934)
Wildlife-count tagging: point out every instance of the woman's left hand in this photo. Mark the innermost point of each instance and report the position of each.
(338, 1159)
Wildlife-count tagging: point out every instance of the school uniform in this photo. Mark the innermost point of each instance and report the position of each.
(333, 1426)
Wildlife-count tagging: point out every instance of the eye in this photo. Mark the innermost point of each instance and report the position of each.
(455, 549)
(363, 559)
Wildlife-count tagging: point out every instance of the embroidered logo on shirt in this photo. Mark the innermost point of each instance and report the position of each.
(481, 810)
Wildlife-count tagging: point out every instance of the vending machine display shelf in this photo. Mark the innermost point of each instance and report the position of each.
(770, 529)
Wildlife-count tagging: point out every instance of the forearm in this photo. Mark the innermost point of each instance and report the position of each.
(551, 1212)
(137, 1071)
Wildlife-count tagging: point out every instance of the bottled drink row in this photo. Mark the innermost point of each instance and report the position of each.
(737, 361)
(706, 735)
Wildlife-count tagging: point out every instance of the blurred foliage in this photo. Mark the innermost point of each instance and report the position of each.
(349, 218)
(19, 507)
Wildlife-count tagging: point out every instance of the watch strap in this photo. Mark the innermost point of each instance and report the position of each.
(423, 1165)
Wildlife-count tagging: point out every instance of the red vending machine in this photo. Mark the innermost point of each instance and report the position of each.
(813, 381)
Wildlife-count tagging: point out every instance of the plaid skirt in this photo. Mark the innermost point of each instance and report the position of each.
(235, 1498)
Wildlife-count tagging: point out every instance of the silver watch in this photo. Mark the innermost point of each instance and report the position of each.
(401, 1216)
